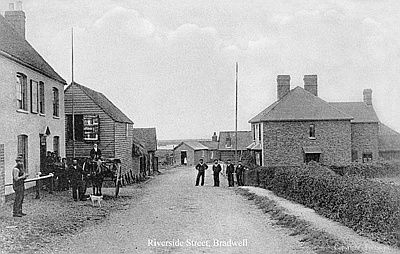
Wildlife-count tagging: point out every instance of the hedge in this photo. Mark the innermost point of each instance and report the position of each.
(370, 208)
(380, 168)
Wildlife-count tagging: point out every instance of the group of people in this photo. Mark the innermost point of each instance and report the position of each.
(201, 168)
(74, 175)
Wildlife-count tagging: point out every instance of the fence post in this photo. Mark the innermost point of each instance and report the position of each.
(51, 184)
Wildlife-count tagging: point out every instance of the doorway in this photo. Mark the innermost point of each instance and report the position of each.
(43, 149)
(312, 157)
(183, 157)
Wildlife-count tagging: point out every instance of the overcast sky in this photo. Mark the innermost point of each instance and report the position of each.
(171, 64)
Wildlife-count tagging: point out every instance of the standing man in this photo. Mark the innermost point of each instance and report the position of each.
(216, 169)
(19, 176)
(240, 173)
(229, 172)
(75, 175)
(201, 168)
(95, 153)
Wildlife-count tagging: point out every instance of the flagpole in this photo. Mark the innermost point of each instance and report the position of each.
(236, 115)
(72, 91)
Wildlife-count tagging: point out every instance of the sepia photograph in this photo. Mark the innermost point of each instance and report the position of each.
(184, 126)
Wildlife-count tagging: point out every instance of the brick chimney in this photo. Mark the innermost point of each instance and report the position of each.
(283, 85)
(16, 18)
(368, 96)
(214, 137)
(310, 84)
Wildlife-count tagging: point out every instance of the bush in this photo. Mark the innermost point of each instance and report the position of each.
(380, 168)
(370, 208)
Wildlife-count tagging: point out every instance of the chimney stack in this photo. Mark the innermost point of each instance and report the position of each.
(310, 84)
(16, 18)
(283, 85)
(368, 96)
(214, 137)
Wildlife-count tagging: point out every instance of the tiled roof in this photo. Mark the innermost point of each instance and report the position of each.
(147, 137)
(389, 140)
(212, 145)
(195, 145)
(108, 107)
(300, 105)
(13, 44)
(360, 112)
(244, 140)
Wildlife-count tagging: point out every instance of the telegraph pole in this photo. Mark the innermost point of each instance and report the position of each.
(72, 91)
(236, 115)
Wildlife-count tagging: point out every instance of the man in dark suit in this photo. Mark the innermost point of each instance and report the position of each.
(201, 168)
(216, 169)
(19, 175)
(240, 173)
(95, 153)
(230, 169)
(75, 175)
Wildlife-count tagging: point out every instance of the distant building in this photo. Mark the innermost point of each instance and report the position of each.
(301, 127)
(212, 146)
(31, 103)
(97, 121)
(227, 144)
(147, 137)
(389, 143)
(190, 152)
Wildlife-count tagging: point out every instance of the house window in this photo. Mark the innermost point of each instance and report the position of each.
(56, 145)
(367, 157)
(78, 127)
(56, 103)
(34, 97)
(354, 155)
(126, 129)
(312, 157)
(259, 132)
(312, 131)
(254, 131)
(41, 98)
(90, 127)
(23, 149)
(22, 90)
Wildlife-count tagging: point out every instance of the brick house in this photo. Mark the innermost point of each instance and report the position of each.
(300, 127)
(227, 144)
(31, 102)
(98, 121)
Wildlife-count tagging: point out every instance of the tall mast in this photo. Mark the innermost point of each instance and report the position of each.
(236, 115)
(72, 91)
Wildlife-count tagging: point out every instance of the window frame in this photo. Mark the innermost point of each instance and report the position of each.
(311, 131)
(56, 145)
(93, 125)
(34, 85)
(21, 92)
(42, 100)
(22, 148)
(56, 102)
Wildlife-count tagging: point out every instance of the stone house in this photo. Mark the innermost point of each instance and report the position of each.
(300, 127)
(31, 102)
(97, 121)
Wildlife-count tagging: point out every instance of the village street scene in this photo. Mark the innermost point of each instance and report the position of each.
(200, 127)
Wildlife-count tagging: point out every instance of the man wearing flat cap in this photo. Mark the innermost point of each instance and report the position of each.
(19, 176)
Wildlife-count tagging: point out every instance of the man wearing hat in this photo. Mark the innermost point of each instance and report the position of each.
(230, 169)
(240, 173)
(19, 177)
(201, 168)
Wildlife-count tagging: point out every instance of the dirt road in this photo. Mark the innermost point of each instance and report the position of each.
(174, 216)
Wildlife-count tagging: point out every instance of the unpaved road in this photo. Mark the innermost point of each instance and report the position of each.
(174, 213)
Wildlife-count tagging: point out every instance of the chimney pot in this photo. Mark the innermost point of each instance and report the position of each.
(11, 6)
(283, 85)
(19, 5)
(368, 96)
(311, 84)
(16, 18)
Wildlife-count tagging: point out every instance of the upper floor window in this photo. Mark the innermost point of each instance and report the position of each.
(259, 132)
(90, 127)
(22, 91)
(312, 131)
(41, 98)
(56, 103)
(34, 97)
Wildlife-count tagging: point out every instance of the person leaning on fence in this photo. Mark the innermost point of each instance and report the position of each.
(75, 175)
(19, 176)
(216, 169)
(201, 168)
(229, 172)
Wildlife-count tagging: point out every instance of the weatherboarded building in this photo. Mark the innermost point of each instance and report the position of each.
(147, 137)
(190, 152)
(301, 127)
(97, 121)
(31, 103)
(388, 143)
(227, 144)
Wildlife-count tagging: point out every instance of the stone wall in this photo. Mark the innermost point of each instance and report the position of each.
(284, 142)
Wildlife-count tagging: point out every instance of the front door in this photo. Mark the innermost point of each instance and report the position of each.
(42, 149)
(312, 157)
(183, 157)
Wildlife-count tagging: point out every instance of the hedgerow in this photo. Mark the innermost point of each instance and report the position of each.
(379, 168)
(370, 208)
